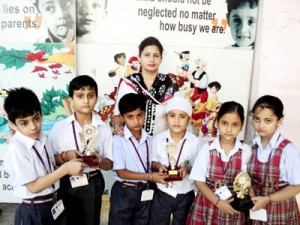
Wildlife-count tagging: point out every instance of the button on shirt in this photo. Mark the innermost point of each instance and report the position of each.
(290, 158)
(61, 137)
(191, 147)
(200, 170)
(125, 156)
(24, 165)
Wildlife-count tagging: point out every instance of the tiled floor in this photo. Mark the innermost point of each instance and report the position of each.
(8, 212)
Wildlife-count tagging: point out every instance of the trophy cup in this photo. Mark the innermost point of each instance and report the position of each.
(241, 185)
(88, 137)
(172, 169)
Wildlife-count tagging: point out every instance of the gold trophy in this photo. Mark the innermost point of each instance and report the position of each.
(89, 137)
(241, 185)
(172, 169)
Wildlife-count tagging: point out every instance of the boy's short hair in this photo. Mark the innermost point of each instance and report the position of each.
(21, 103)
(234, 4)
(131, 102)
(82, 81)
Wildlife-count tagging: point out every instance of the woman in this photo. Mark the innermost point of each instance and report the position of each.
(156, 87)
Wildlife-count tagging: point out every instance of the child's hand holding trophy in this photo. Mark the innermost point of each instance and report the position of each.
(172, 170)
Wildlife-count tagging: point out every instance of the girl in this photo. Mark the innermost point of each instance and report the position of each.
(274, 165)
(217, 165)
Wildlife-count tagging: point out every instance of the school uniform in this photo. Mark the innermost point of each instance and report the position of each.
(27, 160)
(126, 207)
(163, 204)
(82, 204)
(217, 169)
(272, 169)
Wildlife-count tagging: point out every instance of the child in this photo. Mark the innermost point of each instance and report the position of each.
(176, 197)
(59, 17)
(132, 155)
(90, 15)
(274, 165)
(31, 162)
(242, 16)
(217, 165)
(83, 204)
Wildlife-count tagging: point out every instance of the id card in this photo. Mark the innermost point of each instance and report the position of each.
(170, 191)
(78, 181)
(57, 209)
(223, 193)
(259, 215)
(147, 195)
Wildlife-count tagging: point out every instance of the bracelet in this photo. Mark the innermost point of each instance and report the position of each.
(217, 202)
(150, 177)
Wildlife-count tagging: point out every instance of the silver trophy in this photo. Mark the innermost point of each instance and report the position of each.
(89, 138)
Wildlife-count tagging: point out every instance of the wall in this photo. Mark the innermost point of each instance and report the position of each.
(276, 61)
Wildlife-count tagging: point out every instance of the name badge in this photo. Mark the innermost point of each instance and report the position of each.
(57, 209)
(259, 215)
(223, 193)
(78, 181)
(147, 195)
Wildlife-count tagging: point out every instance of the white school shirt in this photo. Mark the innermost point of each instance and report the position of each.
(61, 137)
(125, 156)
(200, 170)
(190, 149)
(290, 158)
(24, 165)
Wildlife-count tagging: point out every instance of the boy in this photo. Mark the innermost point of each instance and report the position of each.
(59, 16)
(90, 14)
(31, 162)
(83, 203)
(130, 195)
(176, 197)
(242, 17)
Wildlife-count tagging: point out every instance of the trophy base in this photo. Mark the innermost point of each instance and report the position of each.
(91, 160)
(174, 175)
(242, 204)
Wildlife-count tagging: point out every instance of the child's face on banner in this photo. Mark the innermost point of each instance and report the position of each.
(90, 13)
(58, 15)
(242, 22)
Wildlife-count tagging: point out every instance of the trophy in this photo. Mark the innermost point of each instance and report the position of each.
(88, 137)
(172, 169)
(241, 185)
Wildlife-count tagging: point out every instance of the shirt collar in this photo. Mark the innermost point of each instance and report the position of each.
(272, 143)
(29, 142)
(187, 136)
(128, 134)
(216, 145)
(96, 120)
